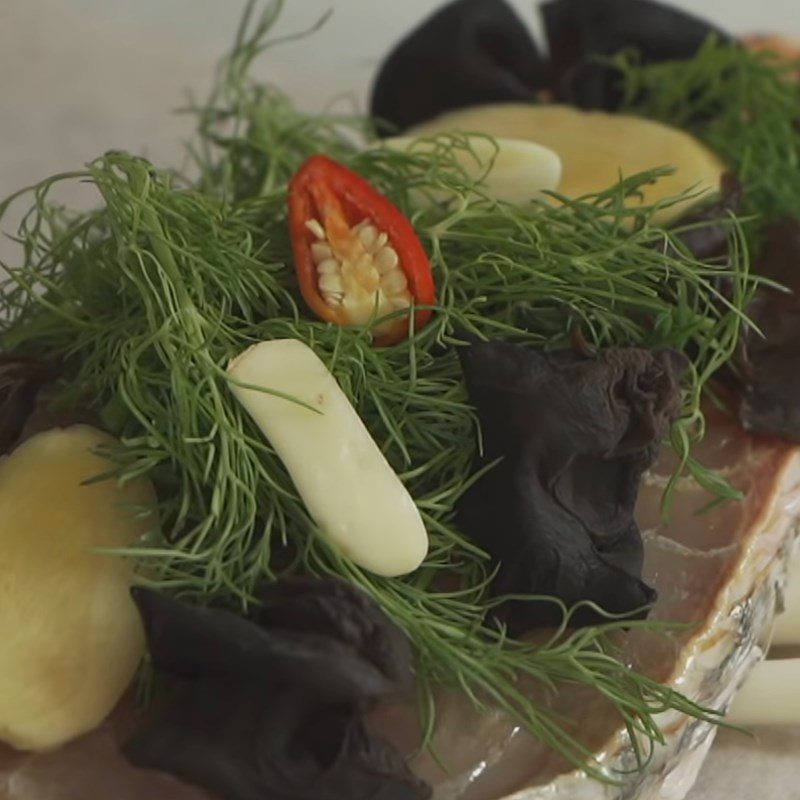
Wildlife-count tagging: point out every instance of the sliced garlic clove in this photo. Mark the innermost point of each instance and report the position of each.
(512, 170)
(347, 485)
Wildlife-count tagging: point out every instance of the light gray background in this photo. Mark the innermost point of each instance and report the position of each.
(80, 76)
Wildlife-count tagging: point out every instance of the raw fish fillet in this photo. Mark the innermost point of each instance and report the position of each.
(722, 569)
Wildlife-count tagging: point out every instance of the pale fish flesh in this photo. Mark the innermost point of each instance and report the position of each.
(722, 569)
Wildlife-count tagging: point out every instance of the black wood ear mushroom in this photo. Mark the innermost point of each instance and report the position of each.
(580, 32)
(479, 51)
(469, 52)
(568, 436)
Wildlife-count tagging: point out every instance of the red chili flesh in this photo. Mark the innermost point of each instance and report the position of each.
(357, 257)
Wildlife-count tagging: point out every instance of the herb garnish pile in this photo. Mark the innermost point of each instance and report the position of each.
(744, 105)
(144, 302)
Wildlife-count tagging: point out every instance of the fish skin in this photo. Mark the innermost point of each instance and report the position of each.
(742, 554)
(735, 567)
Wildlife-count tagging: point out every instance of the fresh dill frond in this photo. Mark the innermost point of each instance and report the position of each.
(744, 105)
(145, 301)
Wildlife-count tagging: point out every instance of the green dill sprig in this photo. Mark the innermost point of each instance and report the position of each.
(146, 300)
(744, 105)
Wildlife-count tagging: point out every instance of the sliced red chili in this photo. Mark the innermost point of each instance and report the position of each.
(357, 256)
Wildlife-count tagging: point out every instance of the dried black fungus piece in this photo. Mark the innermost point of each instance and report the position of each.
(21, 379)
(770, 364)
(469, 52)
(574, 433)
(579, 32)
(710, 242)
(273, 708)
(472, 52)
(314, 606)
